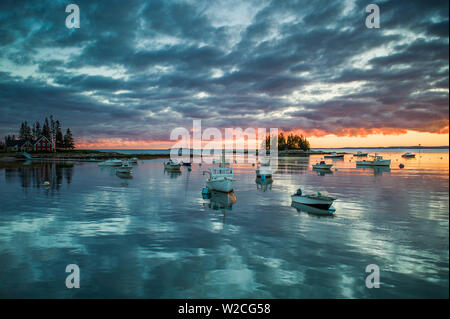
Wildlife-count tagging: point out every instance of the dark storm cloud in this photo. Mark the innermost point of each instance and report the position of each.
(136, 69)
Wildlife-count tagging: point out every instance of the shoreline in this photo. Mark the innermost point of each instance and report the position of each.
(15, 159)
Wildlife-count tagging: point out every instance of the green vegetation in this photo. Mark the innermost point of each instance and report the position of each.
(51, 129)
(290, 142)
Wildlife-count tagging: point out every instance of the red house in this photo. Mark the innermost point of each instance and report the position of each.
(43, 144)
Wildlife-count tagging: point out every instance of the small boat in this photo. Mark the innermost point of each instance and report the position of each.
(124, 168)
(360, 154)
(220, 179)
(314, 211)
(322, 165)
(172, 165)
(264, 171)
(409, 155)
(133, 160)
(317, 200)
(377, 161)
(334, 155)
(111, 162)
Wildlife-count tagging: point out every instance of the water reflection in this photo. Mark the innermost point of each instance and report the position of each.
(264, 184)
(322, 172)
(312, 211)
(124, 175)
(221, 201)
(172, 173)
(49, 175)
(377, 171)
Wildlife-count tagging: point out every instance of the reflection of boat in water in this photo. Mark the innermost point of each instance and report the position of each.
(124, 175)
(409, 155)
(172, 165)
(220, 179)
(377, 161)
(360, 154)
(323, 172)
(264, 183)
(313, 210)
(220, 200)
(317, 200)
(377, 170)
(334, 155)
(322, 165)
(172, 173)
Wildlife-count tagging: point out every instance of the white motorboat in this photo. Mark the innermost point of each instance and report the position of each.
(220, 179)
(314, 211)
(377, 161)
(360, 154)
(133, 160)
(322, 165)
(409, 155)
(317, 200)
(334, 155)
(111, 162)
(172, 165)
(263, 171)
(126, 167)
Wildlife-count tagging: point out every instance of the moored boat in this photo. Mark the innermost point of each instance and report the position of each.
(124, 168)
(377, 161)
(172, 165)
(322, 165)
(360, 154)
(111, 162)
(409, 155)
(264, 171)
(317, 200)
(220, 179)
(334, 155)
(133, 160)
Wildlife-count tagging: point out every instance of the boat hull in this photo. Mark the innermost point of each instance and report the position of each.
(172, 167)
(224, 185)
(374, 163)
(326, 166)
(319, 203)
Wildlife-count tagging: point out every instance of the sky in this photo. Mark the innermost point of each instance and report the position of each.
(136, 70)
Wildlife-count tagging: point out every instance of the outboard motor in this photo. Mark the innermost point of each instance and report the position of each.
(299, 192)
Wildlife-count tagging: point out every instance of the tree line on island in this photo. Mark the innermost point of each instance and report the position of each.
(290, 142)
(51, 129)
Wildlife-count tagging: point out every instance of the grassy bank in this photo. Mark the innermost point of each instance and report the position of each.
(14, 160)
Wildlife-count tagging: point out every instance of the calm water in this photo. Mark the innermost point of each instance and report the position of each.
(154, 236)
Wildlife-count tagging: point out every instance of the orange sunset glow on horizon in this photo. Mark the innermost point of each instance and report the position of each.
(410, 138)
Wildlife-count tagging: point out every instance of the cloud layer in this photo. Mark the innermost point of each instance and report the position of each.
(137, 69)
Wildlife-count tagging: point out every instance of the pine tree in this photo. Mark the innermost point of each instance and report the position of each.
(46, 129)
(22, 131)
(38, 131)
(59, 139)
(52, 129)
(68, 140)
